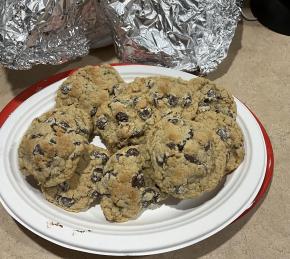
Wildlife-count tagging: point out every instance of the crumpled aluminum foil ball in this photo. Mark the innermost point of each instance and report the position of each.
(49, 32)
(190, 35)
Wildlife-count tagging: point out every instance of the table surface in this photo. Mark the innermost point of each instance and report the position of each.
(257, 71)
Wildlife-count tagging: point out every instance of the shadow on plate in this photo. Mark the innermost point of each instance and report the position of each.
(192, 203)
(32, 182)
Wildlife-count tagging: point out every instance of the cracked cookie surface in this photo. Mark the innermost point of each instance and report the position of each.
(80, 192)
(188, 159)
(212, 97)
(171, 96)
(126, 188)
(51, 147)
(229, 132)
(88, 87)
(126, 119)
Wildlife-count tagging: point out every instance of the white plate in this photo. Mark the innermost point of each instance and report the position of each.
(155, 231)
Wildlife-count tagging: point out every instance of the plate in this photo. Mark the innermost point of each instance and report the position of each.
(170, 227)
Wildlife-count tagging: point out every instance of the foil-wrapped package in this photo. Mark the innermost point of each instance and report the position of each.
(49, 31)
(190, 35)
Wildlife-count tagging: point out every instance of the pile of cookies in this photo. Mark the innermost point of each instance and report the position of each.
(164, 136)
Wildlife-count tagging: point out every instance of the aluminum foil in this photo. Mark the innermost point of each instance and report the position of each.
(49, 31)
(190, 35)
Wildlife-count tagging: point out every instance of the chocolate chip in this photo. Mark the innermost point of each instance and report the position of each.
(53, 141)
(33, 136)
(230, 114)
(118, 155)
(98, 155)
(51, 121)
(179, 189)
(135, 100)
(138, 181)
(161, 160)
(113, 90)
(107, 72)
(155, 99)
(97, 175)
(207, 146)
(64, 125)
(37, 150)
(122, 117)
(206, 101)
(171, 145)
(137, 133)
(187, 101)
(223, 133)
(212, 93)
(96, 195)
(93, 111)
(64, 186)
(82, 130)
(149, 196)
(149, 84)
(172, 100)
(65, 201)
(173, 121)
(101, 122)
(190, 134)
(132, 152)
(181, 146)
(65, 89)
(192, 159)
(145, 113)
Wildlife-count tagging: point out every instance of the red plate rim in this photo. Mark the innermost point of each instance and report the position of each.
(31, 90)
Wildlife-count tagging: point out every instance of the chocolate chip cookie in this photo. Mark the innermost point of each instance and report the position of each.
(89, 87)
(188, 159)
(126, 187)
(80, 192)
(51, 148)
(125, 120)
(229, 132)
(212, 97)
(170, 95)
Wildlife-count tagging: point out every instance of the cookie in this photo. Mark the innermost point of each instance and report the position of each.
(125, 120)
(52, 146)
(188, 159)
(170, 95)
(212, 97)
(80, 192)
(126, 188)
(68, 120)
(229, 132)
(89, 87)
